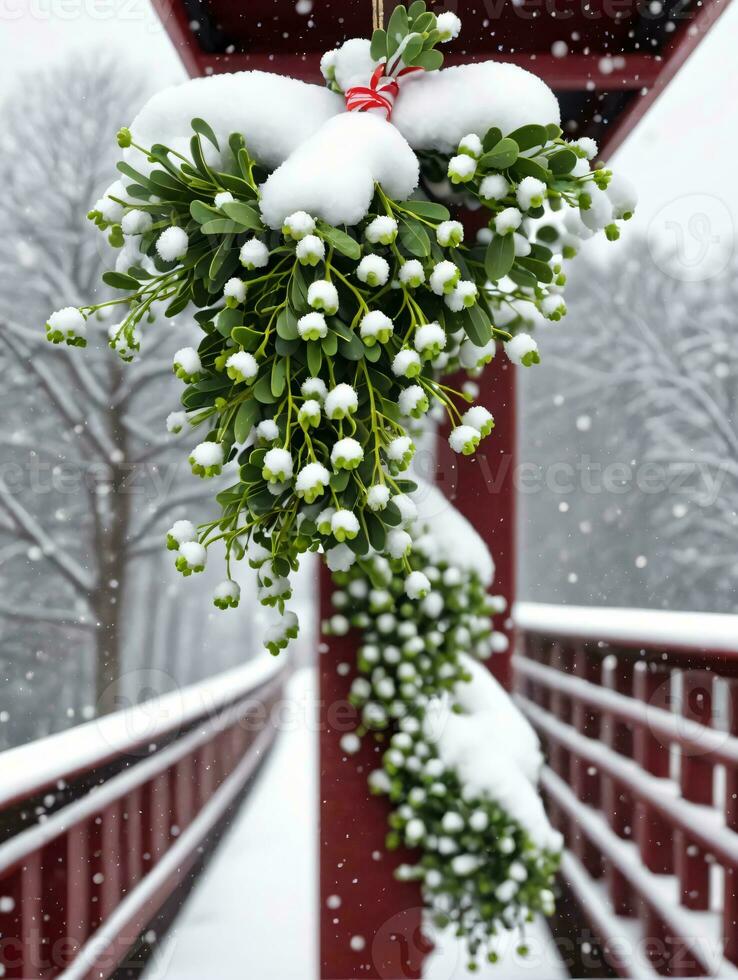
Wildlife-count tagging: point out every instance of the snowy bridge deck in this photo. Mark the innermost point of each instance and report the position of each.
(242, 921)
(639, 715)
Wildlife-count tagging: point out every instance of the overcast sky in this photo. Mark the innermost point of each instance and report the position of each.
(681, 157)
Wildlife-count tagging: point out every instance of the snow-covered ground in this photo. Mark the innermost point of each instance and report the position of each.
(254, 912)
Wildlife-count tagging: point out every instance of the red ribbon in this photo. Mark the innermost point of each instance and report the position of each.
(379, 94)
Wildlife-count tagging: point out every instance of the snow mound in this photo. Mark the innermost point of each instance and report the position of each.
(455, 539)
(435, 110)
(493, 750)
(328, 160)
(332, 173)
(274, 113)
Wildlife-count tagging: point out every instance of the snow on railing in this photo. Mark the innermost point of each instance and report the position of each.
(101, 824)
(638, 711)
(32, 767)
(632, 627)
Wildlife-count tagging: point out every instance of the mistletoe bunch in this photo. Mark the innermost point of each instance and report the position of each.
(322, 346)
(479, 868)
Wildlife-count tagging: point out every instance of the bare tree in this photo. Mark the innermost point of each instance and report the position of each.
(653, 358)
(90, 477)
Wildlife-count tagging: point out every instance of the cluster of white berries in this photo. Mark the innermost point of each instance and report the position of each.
(478, 866)
(68, 325)
(192, 556)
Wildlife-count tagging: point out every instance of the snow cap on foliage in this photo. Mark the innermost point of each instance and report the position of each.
(68, 321)
(456, 540)
(376, 325)
(417, 585)
(136, 222)
(444, 277)
(373, 270)
(275, 113)
(223, 197)
(340, 558)
(450, 233)
(382, 230)
(242, 366)
(313, 388)
(182, 531)
(312, 326)
(412, 273)
(347, 453)
(207, 454)
(377, 496)
(323, 295)
(172, 243)
(111, 210)
(277, 465)
(176, 422)
(186, 363)
(438, 109)
(448, 25)
(268, 430)
(406, 364)
(310, 250)
(254, 254)
(493, 188)
(194, 554)
(341, 401)
(235, 289)
(333, 173)
(522, 349)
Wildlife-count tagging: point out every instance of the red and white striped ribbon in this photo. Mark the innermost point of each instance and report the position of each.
(380, 94)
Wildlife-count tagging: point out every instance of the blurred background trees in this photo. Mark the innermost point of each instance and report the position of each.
(92, 612)
(637, 397)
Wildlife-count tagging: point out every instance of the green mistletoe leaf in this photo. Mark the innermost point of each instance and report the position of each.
(477, 325)
(499, 257)
(529, 136)
(263, 390)
(287, 325)
(201, 127)
(541, 270)
(352, 349)
(430, 60)
(244, 215)
(378, 47)
(279, 377)
(246, 418)
(118, 280)
(427, 209)
(314, 357)
(219, 226)
(178, 303)
(339, 240)
(246, 337)
(397, 29)
(502, 156)
(298, 290)
(376, 532)
(525, 167)
(562, 162)
(491, 138)
(414, 238)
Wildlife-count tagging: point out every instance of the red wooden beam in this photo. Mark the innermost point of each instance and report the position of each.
(673, 57)
(370, 924)
(577, 72)
(481, 487)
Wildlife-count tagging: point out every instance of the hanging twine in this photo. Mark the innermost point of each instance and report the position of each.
(377, 15)
(384, 85)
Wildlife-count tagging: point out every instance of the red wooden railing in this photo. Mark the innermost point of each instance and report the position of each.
(100, 824)
(638, 711)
